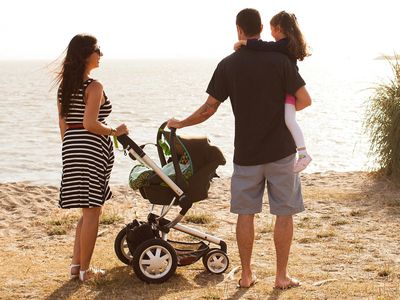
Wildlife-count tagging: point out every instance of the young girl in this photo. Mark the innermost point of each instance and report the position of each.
(289, 41)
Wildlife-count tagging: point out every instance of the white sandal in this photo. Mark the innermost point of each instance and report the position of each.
(95, 272)
(73, 276)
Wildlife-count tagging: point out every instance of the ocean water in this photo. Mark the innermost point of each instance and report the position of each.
(145, 93)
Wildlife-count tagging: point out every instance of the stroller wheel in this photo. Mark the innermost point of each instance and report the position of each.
(154, 261)
(121, 248)
(216, 261)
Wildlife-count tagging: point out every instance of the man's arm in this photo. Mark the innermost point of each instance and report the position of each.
(303, 99)
(200, 115)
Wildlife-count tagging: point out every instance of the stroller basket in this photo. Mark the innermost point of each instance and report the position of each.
(188, 253)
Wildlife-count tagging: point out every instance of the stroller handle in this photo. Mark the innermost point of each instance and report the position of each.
(180, 181)
(126, 141)
(163, 125)
(160, 151)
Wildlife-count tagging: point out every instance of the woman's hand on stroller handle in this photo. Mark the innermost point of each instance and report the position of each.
(121, 129)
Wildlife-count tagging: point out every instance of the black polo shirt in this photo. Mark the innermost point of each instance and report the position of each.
(256, 83)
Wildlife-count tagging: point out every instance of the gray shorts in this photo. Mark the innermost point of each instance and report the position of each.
(284, 189)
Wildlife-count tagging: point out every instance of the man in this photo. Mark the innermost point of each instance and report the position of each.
(256, 83)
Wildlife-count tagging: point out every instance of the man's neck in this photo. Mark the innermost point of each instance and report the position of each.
(253, 37)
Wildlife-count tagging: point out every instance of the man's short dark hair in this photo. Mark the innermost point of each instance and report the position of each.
(250, 21)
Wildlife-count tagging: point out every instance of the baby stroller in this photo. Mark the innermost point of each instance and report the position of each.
(144, 244)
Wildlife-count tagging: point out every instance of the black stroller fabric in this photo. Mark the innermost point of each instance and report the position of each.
(205, 159)
(137, 233)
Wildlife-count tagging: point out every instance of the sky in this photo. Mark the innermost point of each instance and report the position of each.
(42, 29)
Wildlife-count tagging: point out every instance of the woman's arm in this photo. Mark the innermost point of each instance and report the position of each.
(94, 97)
(61, 121)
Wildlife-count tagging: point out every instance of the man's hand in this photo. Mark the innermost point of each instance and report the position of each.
(174, 123)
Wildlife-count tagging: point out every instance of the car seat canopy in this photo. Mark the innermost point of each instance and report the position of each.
(198, 161)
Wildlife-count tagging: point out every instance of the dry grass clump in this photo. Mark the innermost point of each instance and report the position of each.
(199, 218)
(306, 240)
(60, 225)
(110, 218)
(357, 213)
(385, 271)
(382, 123)
(340, 222)
(56, 231)
(326, 234)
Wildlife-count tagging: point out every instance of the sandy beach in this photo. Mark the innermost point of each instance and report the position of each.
(346, 244)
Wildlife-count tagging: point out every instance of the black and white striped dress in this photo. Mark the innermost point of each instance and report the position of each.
(87, 158)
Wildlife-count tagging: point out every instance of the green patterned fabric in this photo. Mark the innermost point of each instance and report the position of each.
(139, 175)
(185, 165)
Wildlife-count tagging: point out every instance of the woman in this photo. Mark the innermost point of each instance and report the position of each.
(87, 151)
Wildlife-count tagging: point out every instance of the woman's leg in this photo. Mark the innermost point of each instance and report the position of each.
(76, 255)
(90, 226)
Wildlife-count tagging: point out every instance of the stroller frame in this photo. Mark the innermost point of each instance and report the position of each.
(150, 238)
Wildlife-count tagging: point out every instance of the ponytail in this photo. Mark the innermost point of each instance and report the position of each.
(297, 45)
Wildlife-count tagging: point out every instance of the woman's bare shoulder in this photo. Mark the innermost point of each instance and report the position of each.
(95, 86)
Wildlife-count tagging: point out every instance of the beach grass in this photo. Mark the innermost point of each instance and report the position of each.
(61, 224)
(199, 218)
(110, 218)
(382, 123)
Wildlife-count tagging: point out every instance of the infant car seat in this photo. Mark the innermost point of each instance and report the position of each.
(198, 161)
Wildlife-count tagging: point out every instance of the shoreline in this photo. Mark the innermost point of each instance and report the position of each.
(23, 203)
(221, 177)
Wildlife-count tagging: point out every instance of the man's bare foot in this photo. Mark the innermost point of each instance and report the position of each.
(287, 283)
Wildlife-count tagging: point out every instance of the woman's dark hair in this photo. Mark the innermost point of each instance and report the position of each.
(70, 77)
(250, 21)
(287, 22)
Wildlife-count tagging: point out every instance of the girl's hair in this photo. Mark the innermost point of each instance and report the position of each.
(70, 77)
(287, 23)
